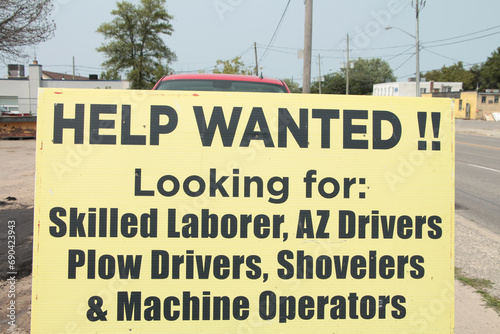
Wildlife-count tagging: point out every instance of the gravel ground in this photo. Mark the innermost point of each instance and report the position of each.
(477, 127)
(477, 252)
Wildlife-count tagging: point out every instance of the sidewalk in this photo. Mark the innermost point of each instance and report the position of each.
(470, 316)
(477, 253)
(477, 127)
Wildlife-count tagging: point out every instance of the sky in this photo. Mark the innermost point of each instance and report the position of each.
(208, 30)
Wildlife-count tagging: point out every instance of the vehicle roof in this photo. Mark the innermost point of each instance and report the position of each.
(216, 76)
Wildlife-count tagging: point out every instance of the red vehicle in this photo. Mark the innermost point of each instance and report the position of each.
(221, 82)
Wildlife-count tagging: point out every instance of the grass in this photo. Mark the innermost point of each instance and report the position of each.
(481, 286)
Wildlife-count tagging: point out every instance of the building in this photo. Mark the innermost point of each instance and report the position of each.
(409, 88)
(46, 75)
(19, 93)
(474, 104)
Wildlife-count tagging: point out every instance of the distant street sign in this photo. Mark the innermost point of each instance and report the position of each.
(300, 54)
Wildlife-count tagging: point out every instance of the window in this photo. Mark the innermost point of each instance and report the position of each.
(8, 108)
(483, 99)
(459, 104)
(496, 99)
(221, 85)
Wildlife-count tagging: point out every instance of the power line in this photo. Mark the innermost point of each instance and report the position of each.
(241, 54)
(465, 40)
(472, 33)
(340, 50)
(275, 31)
(437, 54)
(402, 53)
(277, 47)
(278, 50)
(284, 52)
(292, 48)
(385, 47)
(425, 71)
(397, 68)
(245, 52)
(403, 46)
(441, 40)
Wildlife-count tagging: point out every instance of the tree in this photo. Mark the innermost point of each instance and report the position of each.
(490, 71)
(366, 73)
(233, 66)
(362, 76)
(453, 73)
(333, 83)
(24, 23)
(110, 75)
(476, 72)
(135, 46)
(293, 86)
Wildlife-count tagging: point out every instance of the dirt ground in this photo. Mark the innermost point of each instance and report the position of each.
(17, 173)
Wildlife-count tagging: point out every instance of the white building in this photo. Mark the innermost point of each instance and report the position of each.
(20, 94)
(409, 88)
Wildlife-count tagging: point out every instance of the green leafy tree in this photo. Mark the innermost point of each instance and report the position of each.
(134, 45)
(490, 71)
(333, 83)
(293, 86)
(24, 23)
(233, 66)
(110, 75)
(367, 72)
(362, 76)
(476, 72)
(453, 73)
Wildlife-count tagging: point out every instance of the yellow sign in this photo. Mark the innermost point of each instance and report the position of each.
(175, 212)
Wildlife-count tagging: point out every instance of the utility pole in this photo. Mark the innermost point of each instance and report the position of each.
(419, 5)
(319, 67)
(256, 61)
(306, 81)
(73, 67)
(347, 68)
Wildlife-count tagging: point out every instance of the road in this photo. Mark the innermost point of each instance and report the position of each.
(477, 189)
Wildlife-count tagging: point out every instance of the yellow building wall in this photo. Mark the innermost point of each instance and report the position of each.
(461, 108)
(459, 113)
(489, 106)
(476, 109)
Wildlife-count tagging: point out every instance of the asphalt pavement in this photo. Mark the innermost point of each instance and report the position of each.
(23, 229)
(477, 164)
